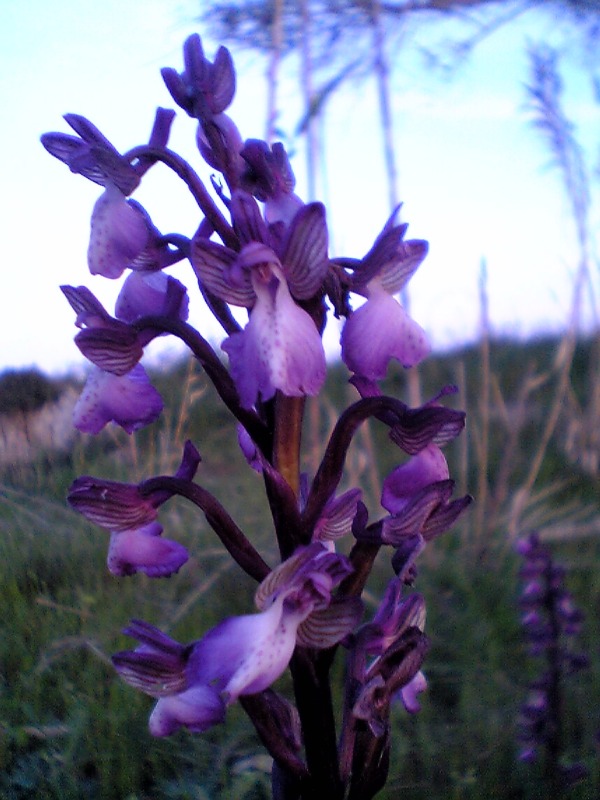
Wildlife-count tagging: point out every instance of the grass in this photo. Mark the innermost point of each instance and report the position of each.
(70, 729)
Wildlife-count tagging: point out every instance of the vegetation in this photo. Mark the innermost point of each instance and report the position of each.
(25, 390)
(71, 729)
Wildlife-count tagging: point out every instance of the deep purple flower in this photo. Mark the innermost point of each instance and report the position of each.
(280, 348)
(144, 550)
(147, 293)
(204, 88)
(240, 656)
(128, 400)
(92, 155)
(394, 615)
(380, 329)
(269, 177)
(112, 505)
(136, 544)
(389, 653)
(120, 506)
(551, 619)
(427, 467)
(119, 234)
(107, 342)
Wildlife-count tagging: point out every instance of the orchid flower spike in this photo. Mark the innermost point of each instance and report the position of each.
(242, 655)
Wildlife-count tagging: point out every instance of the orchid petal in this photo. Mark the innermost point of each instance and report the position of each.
(427, 467)
(114, 347)
(377, 332)
(305, 252)
(338, 514)
(247, 219)
(119, 233)
(213, 264)
(110, 504)
(328, 626)
(151, 293)
(129, 400)
(280, 349)
(144, 550)
(408, 694)
(197, 709)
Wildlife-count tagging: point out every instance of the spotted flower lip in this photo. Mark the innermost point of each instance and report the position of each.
(280, 349)
(242, 655)
(119, 234)
(129, 401)
(377, 332)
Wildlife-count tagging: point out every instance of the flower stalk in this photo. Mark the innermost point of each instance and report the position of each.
(258, 247)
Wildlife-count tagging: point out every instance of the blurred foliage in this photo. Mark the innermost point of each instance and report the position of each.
(70, 729)
(25, 390)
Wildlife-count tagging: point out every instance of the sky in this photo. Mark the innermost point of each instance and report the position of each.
(474, 176)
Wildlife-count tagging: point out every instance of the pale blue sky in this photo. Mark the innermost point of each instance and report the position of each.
(473, 176)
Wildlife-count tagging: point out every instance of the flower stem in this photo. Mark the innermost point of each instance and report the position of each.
(289, 413)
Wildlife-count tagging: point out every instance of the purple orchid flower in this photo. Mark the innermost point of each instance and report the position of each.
(117, 388)
(129, 401)
(380, 329)
(269, 177)
(399, 488)
(136, 544)
(147, 293)
(204, 88)
(92, 155)
(242, 655)
(389, 651)
(280, 347)
(145, 550)
(119, 234)
(123, 506)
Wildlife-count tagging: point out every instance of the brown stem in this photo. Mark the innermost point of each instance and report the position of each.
(289, 412)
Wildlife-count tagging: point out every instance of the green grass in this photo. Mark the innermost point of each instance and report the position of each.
(70, 729)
